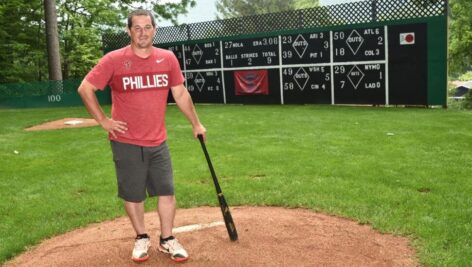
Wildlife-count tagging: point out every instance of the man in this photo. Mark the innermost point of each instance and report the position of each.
(140, 76)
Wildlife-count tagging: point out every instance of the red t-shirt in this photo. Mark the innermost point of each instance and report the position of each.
(140, 87)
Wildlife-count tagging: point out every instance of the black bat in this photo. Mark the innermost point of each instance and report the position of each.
(233, 235)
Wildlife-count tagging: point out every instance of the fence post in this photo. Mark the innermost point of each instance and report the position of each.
(301, 21)
(374, 10)
(240, 24)
(189, 33)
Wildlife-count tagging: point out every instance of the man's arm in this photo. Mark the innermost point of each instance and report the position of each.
(184, 102)
(87, 93)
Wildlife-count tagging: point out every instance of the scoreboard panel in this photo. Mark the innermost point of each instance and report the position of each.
(347, 66)
(202, 56)
(251, 52)
(359, 84)
(307, 85)
(359, 45)
(306, 48)
(205, 86)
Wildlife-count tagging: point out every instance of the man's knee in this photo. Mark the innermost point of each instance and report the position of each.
(167, 199)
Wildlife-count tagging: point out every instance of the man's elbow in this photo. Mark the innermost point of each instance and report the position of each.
(80, 90)
(179, 92)
(84, 88)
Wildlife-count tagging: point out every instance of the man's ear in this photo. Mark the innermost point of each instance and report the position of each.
(127, 31)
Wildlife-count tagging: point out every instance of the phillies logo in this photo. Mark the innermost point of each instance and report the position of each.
(127, 64)
(145, 82)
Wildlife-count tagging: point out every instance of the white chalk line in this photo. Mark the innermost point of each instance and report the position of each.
(195, 227)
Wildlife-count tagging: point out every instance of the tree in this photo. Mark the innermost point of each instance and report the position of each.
(235, 10)
(460, 36)
(22, 46)
(300, 4)
(54, 59)
(81, 24)
(240, 8)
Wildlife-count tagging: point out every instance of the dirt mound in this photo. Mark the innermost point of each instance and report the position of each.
(268, 236)
(64, 123)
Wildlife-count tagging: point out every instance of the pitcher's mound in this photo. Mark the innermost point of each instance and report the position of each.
(63, 123)
(267, 237)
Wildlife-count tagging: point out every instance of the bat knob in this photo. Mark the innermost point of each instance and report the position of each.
(200, 137)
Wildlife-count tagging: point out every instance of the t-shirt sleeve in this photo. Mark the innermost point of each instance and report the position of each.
(102, 73)
(176, 76)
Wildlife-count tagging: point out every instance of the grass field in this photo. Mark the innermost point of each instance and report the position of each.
(403, 171)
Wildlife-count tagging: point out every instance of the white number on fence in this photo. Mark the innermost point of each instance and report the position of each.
(54, 98)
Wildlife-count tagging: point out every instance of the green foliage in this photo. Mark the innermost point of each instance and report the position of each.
(467, 104)
(239, 8)
(460, 36)
(250, 14)
(466, 76)
(81, 24)
(22, 45)
(171, 10)
(300, 4)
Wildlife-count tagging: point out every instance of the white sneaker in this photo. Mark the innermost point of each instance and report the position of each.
(140, 251)
(175, 249)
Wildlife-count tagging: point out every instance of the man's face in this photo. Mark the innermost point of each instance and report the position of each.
(142, 32)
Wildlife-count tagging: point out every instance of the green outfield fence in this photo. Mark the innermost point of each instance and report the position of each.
(45, 94)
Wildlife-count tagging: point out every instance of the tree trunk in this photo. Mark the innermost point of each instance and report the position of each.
(54, 58)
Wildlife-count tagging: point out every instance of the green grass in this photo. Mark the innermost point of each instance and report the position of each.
(403, 171)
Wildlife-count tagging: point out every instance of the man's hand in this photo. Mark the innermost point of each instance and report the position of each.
(112, 126)
(199, 129)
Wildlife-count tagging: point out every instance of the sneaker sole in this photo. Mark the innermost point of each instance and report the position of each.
(141, 259)
(179, 259)
(172, 257)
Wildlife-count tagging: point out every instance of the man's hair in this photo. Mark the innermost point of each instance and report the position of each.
(140, 12)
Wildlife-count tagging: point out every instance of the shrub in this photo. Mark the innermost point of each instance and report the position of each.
(466, 76)
(467, 103)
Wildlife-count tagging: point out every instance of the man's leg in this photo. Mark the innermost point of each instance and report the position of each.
(168, 243)
(166, 211)
(131, 172)
(161, 183)
(136, 216)
(142, 243)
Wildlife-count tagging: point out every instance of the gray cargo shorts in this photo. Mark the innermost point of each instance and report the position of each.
(140, 169)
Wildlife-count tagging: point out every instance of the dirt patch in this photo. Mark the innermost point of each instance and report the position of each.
(64, 123)
(268, 236)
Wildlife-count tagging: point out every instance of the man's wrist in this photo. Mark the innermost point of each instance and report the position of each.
(196, 124)
(102, 120)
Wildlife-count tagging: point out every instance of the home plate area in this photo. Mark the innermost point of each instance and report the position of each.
(268, 236)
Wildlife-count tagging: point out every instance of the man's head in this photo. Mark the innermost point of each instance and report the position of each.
(140, 12)
(141, 28)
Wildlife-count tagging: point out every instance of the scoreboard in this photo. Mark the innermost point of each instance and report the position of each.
(347, 66)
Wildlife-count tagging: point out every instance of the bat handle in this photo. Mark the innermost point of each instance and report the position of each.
(200, 137)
